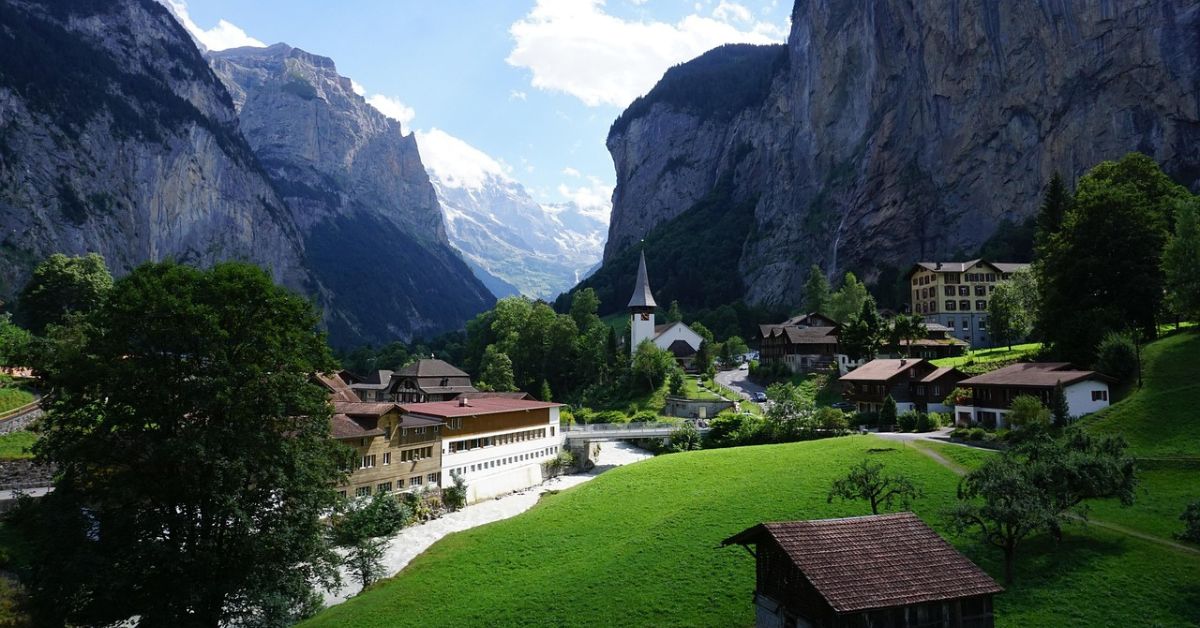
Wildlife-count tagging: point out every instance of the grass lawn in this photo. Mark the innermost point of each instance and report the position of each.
(639, 546)
(1162, 494)
(15, 445)
(692, 390)
(13, 397)
(1160, 420)
(995, 354)
(966, 457)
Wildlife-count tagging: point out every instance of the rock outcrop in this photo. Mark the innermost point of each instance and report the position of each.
(356, 188)
(117, 137)
(887, 132)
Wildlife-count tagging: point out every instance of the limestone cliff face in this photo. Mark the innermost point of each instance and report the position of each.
(115, 137)
(892, 131)
(355, 186)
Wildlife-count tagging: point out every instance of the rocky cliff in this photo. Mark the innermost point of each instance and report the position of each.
(355, 186)
(117, 137)
(887, 132)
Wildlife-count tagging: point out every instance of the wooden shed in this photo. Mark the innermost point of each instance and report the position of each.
(881, 571)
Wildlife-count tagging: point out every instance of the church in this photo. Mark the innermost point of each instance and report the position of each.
(677, 337)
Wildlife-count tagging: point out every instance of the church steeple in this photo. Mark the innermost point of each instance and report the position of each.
(641, 292)
(641, 308)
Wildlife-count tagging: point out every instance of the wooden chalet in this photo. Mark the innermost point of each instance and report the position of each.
(992, 393)
(426, 380)
(912, 384)
(937, 343)
(882, 571)
(805, 343)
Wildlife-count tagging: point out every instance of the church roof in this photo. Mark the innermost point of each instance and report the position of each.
(641, 292)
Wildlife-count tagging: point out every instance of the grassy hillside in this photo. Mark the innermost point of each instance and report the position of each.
(1161, 419)
(639, 546)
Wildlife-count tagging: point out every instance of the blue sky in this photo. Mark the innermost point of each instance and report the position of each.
(534, 84)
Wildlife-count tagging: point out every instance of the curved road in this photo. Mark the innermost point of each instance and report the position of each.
(739, 381)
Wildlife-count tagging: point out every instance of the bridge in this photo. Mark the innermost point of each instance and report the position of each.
(597, 432)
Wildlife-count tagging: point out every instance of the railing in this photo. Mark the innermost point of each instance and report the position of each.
(23, 410)
(621, 427)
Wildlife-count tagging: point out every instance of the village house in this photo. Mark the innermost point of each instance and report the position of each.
(955, 295)
(886, 571)
(424, 380)
(992, 393)
(393, 452)
(913, 383)
(682, 341)
(804, 343)
(498, 444)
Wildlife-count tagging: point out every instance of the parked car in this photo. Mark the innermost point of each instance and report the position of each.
(760, 397)
(744, 367)
(844, 406)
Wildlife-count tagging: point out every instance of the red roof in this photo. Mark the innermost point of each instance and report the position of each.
(878, 561)
(476, 407)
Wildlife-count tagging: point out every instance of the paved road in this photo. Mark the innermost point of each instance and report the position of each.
(739, 381)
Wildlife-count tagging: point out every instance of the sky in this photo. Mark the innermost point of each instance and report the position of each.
(528, 86)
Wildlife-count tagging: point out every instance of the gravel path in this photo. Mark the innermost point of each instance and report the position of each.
(412, 541)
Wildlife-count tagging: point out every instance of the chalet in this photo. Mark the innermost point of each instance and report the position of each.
(992, 393)
(422, 381)
(937, 343)
(393, 452)
(808, 342)
(955, 294)
(682, 341)
(882, 570)
(912, 383)
(498, 444)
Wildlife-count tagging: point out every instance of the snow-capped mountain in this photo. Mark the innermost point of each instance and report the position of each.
(541, 249)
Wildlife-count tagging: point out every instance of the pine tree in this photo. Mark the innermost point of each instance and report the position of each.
(1059, 411)
(1181, 261)
(1053, 211)
(545, 395)
(816, 292)
(887, 415)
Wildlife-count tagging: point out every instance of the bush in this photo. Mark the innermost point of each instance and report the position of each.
(908, 421)
(833, 420)
(1117, 356)
(887, 416)
(455, 497)
(645, 416)
(927, 422)
(685, 438)
(869, 419)
(976, 434)
(1191, 522)
(610, 416)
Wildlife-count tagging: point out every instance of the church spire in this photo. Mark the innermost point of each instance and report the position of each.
(641, 292)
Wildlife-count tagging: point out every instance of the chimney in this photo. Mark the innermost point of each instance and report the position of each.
(903, 361)
(463, 402)
(938, 267)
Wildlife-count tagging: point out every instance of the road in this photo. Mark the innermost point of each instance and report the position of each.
(739, 381)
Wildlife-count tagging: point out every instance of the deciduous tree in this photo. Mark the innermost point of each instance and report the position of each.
(817, 297)
(866, 481)
(496, 371)
(193, 456)
(61, 285)
(848, 300)
(1181, 261)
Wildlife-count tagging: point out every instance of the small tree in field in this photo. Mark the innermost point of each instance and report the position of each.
(1027, 411)
(1060, 412)
(867, 481)
(455, 497)
(677, 383)
(1117, 355)
(685, 438)
(1191, 522)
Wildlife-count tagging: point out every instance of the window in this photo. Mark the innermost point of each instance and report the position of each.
(964, 291)
(982, 324)
(949, 306)
(400, 483)
(981, 305)
(964, 305)
(418, 430)
(387, 432)
(991, 277)
(341, 493)
(966, 325)
(432, 478)
(367, 462)
(387, 458)
(948, 291)
(362, 491)
(384, 487)
(552, 431)
(981, 291)
(417, 453)
(1099, 395)
(455, 423)
(416, 481)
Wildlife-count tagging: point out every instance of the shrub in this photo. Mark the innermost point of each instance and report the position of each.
(1191, 522)
(976, 434)
(887, 416)
(1117, 356)
(926, 422)
(455, 497)
(610, 416)
(908, 421)
(833, 420)
(1028, 411)
(685, 438)
(870, 419)
(677, 383)
(645, 416)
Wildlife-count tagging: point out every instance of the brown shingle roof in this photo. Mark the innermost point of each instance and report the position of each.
(343, 426)
(431, 367)
(881, 370)
(810, 335)
(940, 373)
(338, 389)
(879, 561)
(1036, 374)
(486, 405)
(363, 408)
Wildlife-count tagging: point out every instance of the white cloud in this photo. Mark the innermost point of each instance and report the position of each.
(392, 108)
(575, 47)
(732, 12)
(457, 163)
(220, 37)
(517, 94)
(571, 172)
(594, 200)
(358, 88)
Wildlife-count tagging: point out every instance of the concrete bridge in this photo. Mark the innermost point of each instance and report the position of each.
(598, 432)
